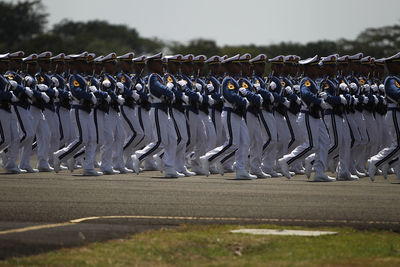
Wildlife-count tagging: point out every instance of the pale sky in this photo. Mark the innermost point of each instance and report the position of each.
(234, 22)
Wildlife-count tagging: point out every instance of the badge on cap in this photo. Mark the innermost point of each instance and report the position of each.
(231, 86)
(76, 84)
(362, 81)
(307, 83)
(397, 84)
(244, 85)
(123, 79)
(283, 83)
(169, 79)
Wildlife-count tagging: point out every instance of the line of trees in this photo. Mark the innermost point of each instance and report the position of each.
(23, 26)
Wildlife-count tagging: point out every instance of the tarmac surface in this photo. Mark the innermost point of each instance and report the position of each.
(46, 211)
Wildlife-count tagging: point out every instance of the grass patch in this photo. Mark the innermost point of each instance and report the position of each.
(193, 245)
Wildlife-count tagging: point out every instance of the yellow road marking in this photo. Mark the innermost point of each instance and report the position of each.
(182, 218)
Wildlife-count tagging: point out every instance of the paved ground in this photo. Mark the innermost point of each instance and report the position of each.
(144, 202)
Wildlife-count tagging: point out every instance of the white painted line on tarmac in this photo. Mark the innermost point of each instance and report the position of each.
(183, 218)
(282, 232)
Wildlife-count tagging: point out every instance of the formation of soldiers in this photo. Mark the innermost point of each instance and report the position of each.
(196, 116)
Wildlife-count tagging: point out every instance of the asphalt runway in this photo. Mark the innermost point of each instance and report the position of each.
(44, 211)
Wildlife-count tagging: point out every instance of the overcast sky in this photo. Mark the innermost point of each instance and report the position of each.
(234, 21)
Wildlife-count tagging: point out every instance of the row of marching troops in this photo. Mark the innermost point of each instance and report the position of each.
(196, 116)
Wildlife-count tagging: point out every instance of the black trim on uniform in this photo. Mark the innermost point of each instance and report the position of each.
(391, 154)
(335, 135)
(178, 134)
(268, 132)
(60, 128)
(2, 135)
(310, 141)
(293, 138)
(187, 127)
(130, 126)
(96, 125)
(228, 120)
(21, 124)
(158, 137)
(78, 123)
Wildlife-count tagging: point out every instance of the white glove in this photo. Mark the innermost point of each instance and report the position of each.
(185, 99)
(296, 88)
(323, 95)
(271, 98)
(28, 80)
(198, 87)
(13, 84)
(343, 100)
(365, 100)
(120, 100)
(286, 103)
(45, 97)
(257, 87)
(376, 100)
(120, 87)
(182, 83)
(28, 92)
(135, 95)
(210, 101)
(247, 103)
(343, 87)
(353, 86)
(42, 87)
(14, 98)
(108, 98)
(92, 89)
(170, 85)
(93, 98)
(106, 84)
(210, 87)
(367, 88)
(138, 87)
(243, 91)
(355, 100)
(288, 90)
(374, 88)
(272, 86)
(200, 97)
(56, 92)
(261, 100)
(55, 81)
(324, 105)
(298, 100)
(381, 88)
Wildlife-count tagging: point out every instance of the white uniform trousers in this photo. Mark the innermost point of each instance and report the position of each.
(211, 135)
(41, 128)
(283, 135)
(360, 151)
(256, 139)
(372, 131)
(9, 137)
(297, 135)
(54, 141)
(338, 132)
(269, 144)
(237, 136)
(392, 151)
(317, 141)
(67, 131)
(86, 137)
(197, 138)
(133, 130)
(159, 122)
(26, 134)
(114, 138)
(179, 122)
(215, 116)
